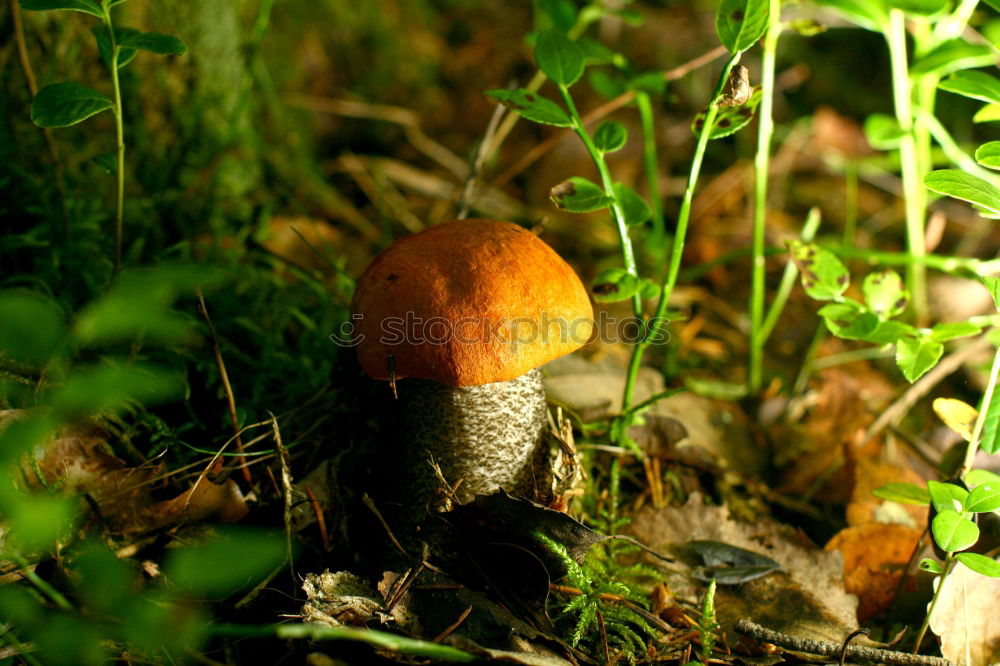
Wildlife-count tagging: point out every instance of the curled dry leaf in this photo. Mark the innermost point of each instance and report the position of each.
(875, 559)
(806, 598)
(966, 618)
(79, 460)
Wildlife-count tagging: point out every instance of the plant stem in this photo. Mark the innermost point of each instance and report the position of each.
(951, 148)
(658, 238)
(913, 186)
(850, 202)
(43, 585)
(119, 135)
(787, 280)
(949, 564)
(765, 132)
(628, 256)
(977, 431)
(938, 262)
(677, 251)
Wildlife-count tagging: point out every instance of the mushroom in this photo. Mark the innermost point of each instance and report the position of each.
(468, 311)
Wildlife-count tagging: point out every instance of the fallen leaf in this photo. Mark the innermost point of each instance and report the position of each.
(966, 618)
(875, 559)
(805, 599)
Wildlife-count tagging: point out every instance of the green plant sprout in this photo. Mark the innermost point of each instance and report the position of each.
(938, 50)
(606, 585)
(739, 24)
(707, 626)
(68, 103)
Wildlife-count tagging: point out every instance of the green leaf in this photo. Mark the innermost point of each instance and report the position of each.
(532, 106)
(729, 119)
(107, 161)
(86, 6)
(889, 332)
(983, 498)
(614, 284)
(102, 579)
(155, 42)
(649, 289)
(125, 55)
(234, 559)
(989, 439)
(977, 477)
(652, 83)
(65, 104)
(110, 386)
(947, 496)
(824, 277)
(883, 131)
(905, 493)
(740, 23)
(867, 14)
(32, 328)
(38, 523)
(988, 154)
(977, 85)
(562, 13)
(610, 136)
(579, 195)
(915, 356)
(633, 206)
(952, 532)
(885, 293)
(954, 330)
(559, 57)
(930, 565)
(964, 186)
(920, 7)
(952, 56)
(993, 284)
(988, 114)
(849, 320)
(981, 564)
(139, 305)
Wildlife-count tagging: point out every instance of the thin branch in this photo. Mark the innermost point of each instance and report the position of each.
(826, 649)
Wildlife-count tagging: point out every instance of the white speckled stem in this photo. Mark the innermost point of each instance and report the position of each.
(490, 436)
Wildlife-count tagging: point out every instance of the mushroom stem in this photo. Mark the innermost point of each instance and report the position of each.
(489, 436)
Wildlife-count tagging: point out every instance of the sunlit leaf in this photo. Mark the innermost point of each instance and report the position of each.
(867, 14)
(559, 57)
(579, 195)
(988, 154)
(32, 328)
(964, 186)
(740, 23)
(532, 106)
(824, 277)
(86, 6)
(953, 330)
(977, 85)
(885, 293)
(952, 532)
(155, 42)
(945, 495)
(233, 559)
(983, 498)
(952, 56)
(883, 131)
(729, 119)
(634, 207)
(905, 493)
(957, 415)
(614, 284)
(915, 356)
(920, 7)
(610, 136)
(930, 565)
(981, 564)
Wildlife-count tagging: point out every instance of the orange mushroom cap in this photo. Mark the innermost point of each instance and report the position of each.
(466, 303)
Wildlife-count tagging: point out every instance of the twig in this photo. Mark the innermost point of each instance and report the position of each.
(320, 519)
(50, 142)
(392, 537)
(455, 625)
(827, 649)
(404, 586)
(477, 162)
(230, 399)
(286, 486)
(847, 642)
(604, 637)
(897, 410)
(600, 112)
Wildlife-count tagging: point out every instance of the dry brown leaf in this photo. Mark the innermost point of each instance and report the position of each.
(966, 618)
(806, 598)
(875, 559)
(865, 508)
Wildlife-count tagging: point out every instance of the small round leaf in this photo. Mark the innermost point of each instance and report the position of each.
(615, 284)
(610, 136)
(559, 57)
(952, 532)
(930, 565)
